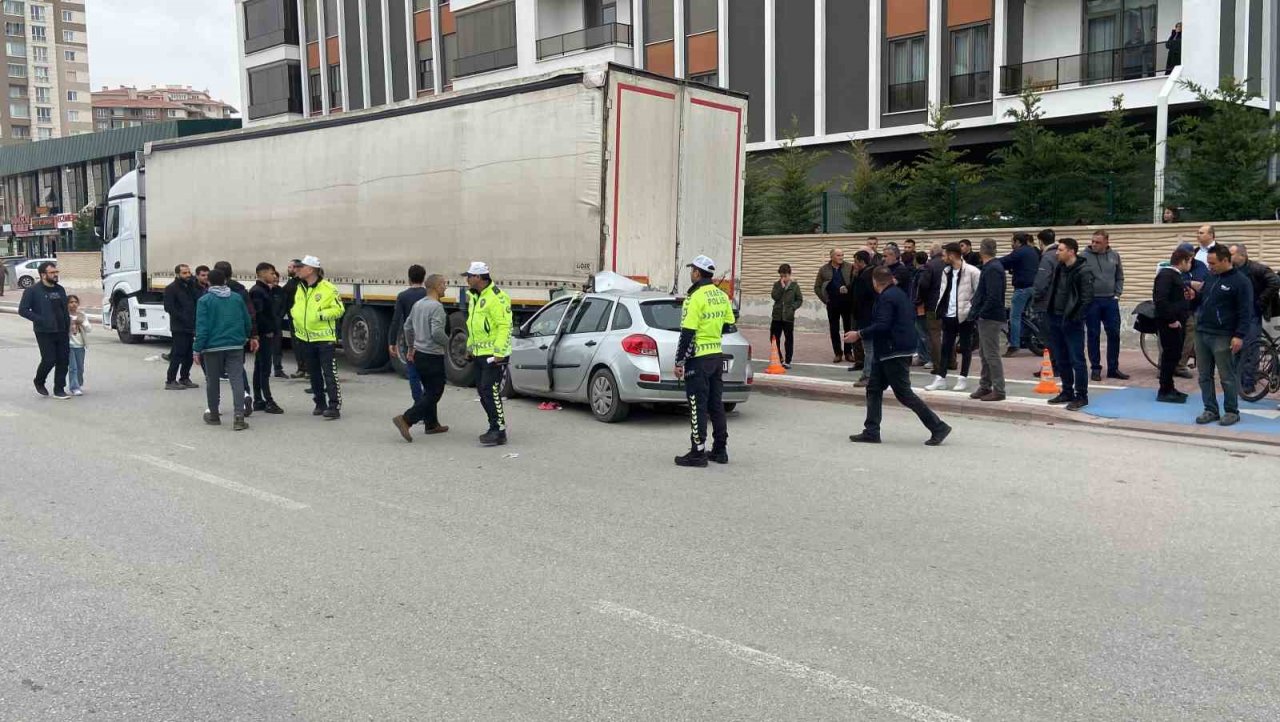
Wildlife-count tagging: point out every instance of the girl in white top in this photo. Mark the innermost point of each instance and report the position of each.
(79, 330)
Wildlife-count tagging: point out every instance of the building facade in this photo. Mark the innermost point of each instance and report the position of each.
(128, 107)
(47, 49)
(835, 69)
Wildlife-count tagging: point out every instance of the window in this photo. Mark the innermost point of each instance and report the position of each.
(450, 47)
(21, 131)
(42, 73)
(152, 113)
(39, 53)
(712, 79)
(44, 133)
(19, 110)
(44, 115)
(907, 80)
(13, 7)
(310, 20)
(73, 96)
(73, 116)
(316, 90)
(970, 65)
(665, 315)
(426, 76)
(548, 320)
(69, 56)
(69, 36)
(659, 21)
(16, 49)
(420, 5)
(274, 89)
(42, 95)
(1120, 39)
(601, 12)
(17, 91)
(102, 112)
(16, 30)
(171, 113)
(486, 40)
(68, 16)
(39, 33)
(335, 87)
(17, 71)
(102, 125)
(700, 16)
(330, 18)
(268, 23)
(621, 318)
(37, 13)
(593, 316)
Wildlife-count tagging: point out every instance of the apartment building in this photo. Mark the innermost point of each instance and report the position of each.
(47, 49)
(128, 107)
(838, 69)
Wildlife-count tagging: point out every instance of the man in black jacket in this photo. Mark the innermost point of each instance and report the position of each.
(988, 311)
(1172, 310)
(266, 319)
(1022, 264)
(1226, 312)
(895, 263)
(1266, 286)
(863, 296)
(832, 287)
(180, 305)
(1069, 292)
(928, 289)
(44, 304)
(892, 337)
(286, 303)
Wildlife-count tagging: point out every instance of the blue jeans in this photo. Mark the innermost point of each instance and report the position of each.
(1021, 297)
(1215, 351)
(922, 332)
(1103, 314)
(75, 369)
(1066, 344)
(1248, 360)
(415, 381)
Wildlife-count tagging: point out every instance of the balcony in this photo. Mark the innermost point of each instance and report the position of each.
(1133, 62)
(485, 62)
(586, 39)
(970, 88)
(905, 97)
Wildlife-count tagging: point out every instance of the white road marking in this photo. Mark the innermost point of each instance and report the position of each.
(235, 486)
(183, 446)
(869, 696)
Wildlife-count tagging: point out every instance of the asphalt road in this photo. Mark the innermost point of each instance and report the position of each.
(154, 568)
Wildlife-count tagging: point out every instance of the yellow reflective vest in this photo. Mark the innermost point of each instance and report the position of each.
(707, 310)
(489, 323)
(316, 310)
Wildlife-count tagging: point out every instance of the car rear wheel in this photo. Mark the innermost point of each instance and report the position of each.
(605, 401)
(26, 282)
(729, 408)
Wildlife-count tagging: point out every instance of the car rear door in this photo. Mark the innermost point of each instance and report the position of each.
(577, 348)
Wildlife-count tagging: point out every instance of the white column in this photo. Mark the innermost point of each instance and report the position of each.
(637, 33)
(342, 55)
(364, 53)
(437, 48)
(1000, 57)
(527, 36)
(306, 71)
(820, 67)
(324, 57)
(386, 51)
(770, 101)
(936, 24)
(722, 35)
(681, 42)
(244, 70)
(875, 79)
(413, 48)
(1201, 41)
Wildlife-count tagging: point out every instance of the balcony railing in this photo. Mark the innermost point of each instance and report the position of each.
(908, 96)
(1132, 62)
(971, 88)
(484, 62)
(586, 39)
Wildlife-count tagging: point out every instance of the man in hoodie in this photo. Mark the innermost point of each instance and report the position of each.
(1266, 286)
(223, 328)
(987, 311)
(266, 320)
(180, 305)
(238, 289)
(1104, 312)
(1225, 315)
(44, 304)
(1021, 264)
(1069, 293)
(892, 330)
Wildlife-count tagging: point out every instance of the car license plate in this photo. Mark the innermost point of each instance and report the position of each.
(724, 364)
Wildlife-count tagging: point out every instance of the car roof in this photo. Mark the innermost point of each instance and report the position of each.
(639, 296)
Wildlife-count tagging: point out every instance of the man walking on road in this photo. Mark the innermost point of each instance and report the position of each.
(833, 287)
(223, 327)
(893, 335)
(404, 304)
(180, 304)
(44, 304)
(489, 343)
(1224, 319)
(700, 363)
(267, 322)
(1069, 293)
(1104, 312)
(426, 336)
(1021, 263)
(1169, 296)
(316, 310)
(987, 310)
(1266, 287)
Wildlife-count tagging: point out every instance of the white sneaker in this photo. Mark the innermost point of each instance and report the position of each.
(962, 384)
(938, 384)
(77, 392)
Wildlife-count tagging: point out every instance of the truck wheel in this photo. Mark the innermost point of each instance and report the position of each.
(364, 337)
(457, 369)
(120, 319)
(605, 401)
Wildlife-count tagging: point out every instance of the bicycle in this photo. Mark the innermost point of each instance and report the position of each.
(1034, 336)
(1266, 366)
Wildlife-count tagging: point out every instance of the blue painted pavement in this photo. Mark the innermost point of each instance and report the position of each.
(1140, 404)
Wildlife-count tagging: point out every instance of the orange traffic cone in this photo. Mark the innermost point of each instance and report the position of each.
(1047, 385)
(775, 362)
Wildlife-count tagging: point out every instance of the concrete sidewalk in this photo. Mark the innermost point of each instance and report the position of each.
(90, 300)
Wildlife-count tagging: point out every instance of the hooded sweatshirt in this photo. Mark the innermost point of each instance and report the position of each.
(223, 322)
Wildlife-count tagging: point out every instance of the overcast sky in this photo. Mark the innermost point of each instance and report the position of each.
(165, 42)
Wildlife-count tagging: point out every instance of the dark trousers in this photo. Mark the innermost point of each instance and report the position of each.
(776, 331)
(837, 314)
(1066, 344)
(180, 357)
(895, 373)
(263, 363)
(430, 369)
(1213, 353)
(323, 370)
(55, 355)
(953, 330)
(704, 385)
(1170, 351)
(1103, 314)
(1247, 359)
(933, 326)
(489, 386)
(277, 352)
(230, 363)
(300, 355)
(415, 380)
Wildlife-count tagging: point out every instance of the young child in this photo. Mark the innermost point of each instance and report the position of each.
(79, 329)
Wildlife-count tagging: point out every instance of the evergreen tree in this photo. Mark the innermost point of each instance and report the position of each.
(755, 203)
(1038, 175)
(1219, 159)
(1120, 161)
(795, 201)
(939, 178)
(875, 194)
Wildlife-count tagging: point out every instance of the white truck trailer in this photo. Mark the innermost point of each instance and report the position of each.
(549, 180)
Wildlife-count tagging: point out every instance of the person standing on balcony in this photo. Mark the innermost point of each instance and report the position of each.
(1174, 46)
(1104, 312)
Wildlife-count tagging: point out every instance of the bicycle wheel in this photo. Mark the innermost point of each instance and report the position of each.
(1262, 357)
(1150, 343)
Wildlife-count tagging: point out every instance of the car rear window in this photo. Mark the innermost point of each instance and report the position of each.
(663, 315)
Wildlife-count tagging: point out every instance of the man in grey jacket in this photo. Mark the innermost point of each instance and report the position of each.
(1104, 312)
(1044, 276)
(426, 336)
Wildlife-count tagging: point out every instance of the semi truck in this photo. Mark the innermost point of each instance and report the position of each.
(549, 180)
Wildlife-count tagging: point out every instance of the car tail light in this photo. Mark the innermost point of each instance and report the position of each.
(650, 377)
(638, 344)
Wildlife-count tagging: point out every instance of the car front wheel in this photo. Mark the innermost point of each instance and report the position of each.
(606, 403)
(26, 282)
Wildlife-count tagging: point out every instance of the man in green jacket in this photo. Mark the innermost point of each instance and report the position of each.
(786, 300)
(223, 325)
(317, 307)
(489, 345)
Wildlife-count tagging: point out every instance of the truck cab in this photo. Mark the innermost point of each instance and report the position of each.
(129, 307)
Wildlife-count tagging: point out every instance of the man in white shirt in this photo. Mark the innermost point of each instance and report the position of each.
(1206, 235)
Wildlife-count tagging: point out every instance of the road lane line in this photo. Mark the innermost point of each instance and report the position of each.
(869, 696)
(183, 446)
(235, 486)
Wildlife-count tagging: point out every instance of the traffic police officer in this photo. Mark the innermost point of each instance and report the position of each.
(699, 361)
(489, 344)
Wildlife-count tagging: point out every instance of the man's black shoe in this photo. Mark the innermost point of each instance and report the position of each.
(272, 408)
(318, 411)
(696, 459)
(212, 419)
(280, 374)
(174, 386)
(1095, 376)
(493, 438)
(299, 374)
(1078, 404)
(720, 456)
(1118, 375)
(259, 406)
(939, 436)
(332, 413)
(188, 384)
(1063, 398)
(864, 438)
(1184, 374)
(1172, 397)
(41, 390)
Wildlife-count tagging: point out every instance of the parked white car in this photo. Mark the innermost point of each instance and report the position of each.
(26, 273)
